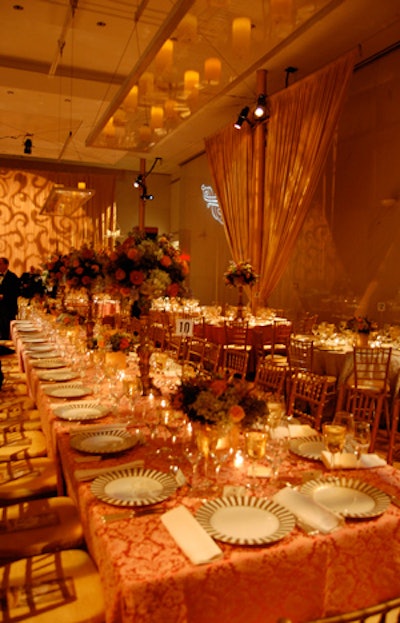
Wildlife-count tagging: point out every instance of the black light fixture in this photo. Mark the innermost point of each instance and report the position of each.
(242, 118)
(138, 181)
(261, 108)
(27, 146)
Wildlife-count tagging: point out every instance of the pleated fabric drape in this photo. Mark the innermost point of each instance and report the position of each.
(300, 130)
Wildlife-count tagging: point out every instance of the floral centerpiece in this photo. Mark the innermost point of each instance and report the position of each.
(224, 401)
(146, 269)
(360, 324)
(69, 319)
(116, 340)
(84, 268)
(240, 274)
(54, 270)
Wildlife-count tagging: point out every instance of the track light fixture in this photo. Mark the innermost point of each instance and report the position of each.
(138, 181)
(242, 118)
(261, 108)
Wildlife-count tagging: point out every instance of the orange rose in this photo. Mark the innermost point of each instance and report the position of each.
(132, 254)
(86, 280)
(173, 289)
(236, 413)
(136, 277)
(120, 274)
(165, 261)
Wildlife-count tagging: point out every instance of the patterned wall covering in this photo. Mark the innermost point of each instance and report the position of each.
(27, 237)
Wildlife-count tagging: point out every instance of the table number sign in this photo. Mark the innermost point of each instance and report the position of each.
(184, 327)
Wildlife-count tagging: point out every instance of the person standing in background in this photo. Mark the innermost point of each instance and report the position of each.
(9, 293)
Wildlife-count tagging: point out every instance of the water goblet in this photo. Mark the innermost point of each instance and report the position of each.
(334, 437)
(346, 419)
(255, 449)
(361, 438)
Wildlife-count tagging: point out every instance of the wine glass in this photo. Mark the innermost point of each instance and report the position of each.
(361, 438)
(191, 451)
(173, 420)
(334, 436)
(346, 419)
(255, 443)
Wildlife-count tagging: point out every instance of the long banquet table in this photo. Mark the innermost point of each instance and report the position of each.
(148, 579)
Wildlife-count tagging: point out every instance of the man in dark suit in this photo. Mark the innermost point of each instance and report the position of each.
(9, 293)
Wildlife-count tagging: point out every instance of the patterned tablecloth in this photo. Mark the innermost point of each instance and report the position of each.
(148, 579)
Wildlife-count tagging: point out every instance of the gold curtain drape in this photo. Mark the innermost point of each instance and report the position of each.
(300, 131)
(301, 127)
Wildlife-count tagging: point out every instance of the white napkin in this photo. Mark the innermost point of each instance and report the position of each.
(193, 540)
(348, 460)
(301, 430)
(91, 474)
(306, 509)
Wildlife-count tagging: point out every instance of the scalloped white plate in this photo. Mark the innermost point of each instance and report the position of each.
(104, 441)
(134, 487)
(67, 390)
(83, 410)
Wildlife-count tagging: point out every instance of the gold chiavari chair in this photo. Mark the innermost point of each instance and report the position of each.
(270, 378)
(211, 357)
(385, 612)
(235, 362)
(195, 351)
(308, 397)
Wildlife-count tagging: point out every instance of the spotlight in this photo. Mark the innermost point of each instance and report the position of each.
(261, 108)
(242, 118)
(138, 181)
(28, 146)
(147, 197)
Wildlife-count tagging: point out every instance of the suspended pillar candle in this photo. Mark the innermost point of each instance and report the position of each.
(131, 100)
(241, 31)
(156, 117)
(163, 60)
(212, 70)
(186, 31)
(170, 108)
(146, 84)
(145, 134)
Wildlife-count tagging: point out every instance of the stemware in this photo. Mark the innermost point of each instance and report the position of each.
(346, 419)
(361, 438)
(255, 444)
(334, 436)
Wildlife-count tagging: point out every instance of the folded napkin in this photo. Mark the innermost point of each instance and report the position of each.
(347, 460)
(301, 430)
(193, 540)
(306, 509)
(90, 474)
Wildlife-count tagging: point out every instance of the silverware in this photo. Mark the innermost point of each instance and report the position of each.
(139, 512)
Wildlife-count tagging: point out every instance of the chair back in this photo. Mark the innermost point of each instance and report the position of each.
(235, 362)
(236, 333)
(307, 323)
(371, 367)
(301, 354)
(270, 378)
(211, 357)
(308, 397)
(195, 351)
(385, 612)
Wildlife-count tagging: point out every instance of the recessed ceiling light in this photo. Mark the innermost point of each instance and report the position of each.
(101, 24)
(18, 7)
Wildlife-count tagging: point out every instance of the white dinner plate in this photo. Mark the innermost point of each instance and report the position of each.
(245, 520)
(134, 487)
(57, 375)
(307, 447)
(67, 390)
(34, 340)
(40, 348)
(104, 441)
(348, 497)
(45, 355)
(83, 410)
(49, 363)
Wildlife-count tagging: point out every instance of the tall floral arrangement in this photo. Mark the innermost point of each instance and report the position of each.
(55, 269)
(84, 268)
(360, 324)
(240, 274)
(147, 269)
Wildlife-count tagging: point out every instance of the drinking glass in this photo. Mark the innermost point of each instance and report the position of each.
(361, 438)
(255, 443)
(334, 437)
(346, 419)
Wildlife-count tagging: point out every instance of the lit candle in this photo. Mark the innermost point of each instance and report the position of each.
(163, 60)
(146, 83)
(212, 70)
(145, 133)
(81, 185)
(187, 29)
(109, 129)
(131, 100)
(241, 29)
(191, 80)
(156, 117)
